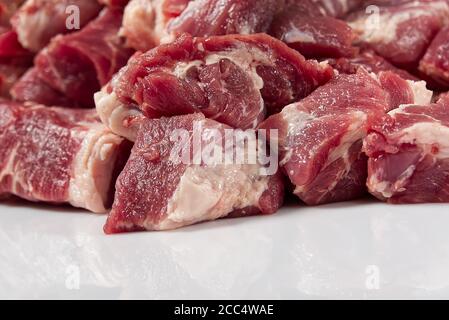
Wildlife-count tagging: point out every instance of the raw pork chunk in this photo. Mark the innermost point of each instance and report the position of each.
(435, 63)
(401, 33)
(145, 21)
(337, 8)
(37, 21)
(9, 75)
(232, 79)
(14, 60)
(409, 155)
(320, 138)
(331, 8)
(157, 192)
(312, 34)
(78, 64)
(58, 156)
(7, 9)
(31, 87)
(371, 62)
(204, 18)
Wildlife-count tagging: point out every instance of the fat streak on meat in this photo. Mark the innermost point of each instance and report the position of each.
(204, 18)
(409, 154)
(320, 137)
(37, 21)
(145, 21)
(233, 79)
(58, 155)
(154, 192)
(401, 33)
(78, 64)
(313, 35)
(371, 62)
(332, 8)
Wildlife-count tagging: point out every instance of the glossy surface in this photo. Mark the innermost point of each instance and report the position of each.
(362, 249)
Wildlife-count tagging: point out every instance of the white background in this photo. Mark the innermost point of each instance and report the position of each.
(362, 249)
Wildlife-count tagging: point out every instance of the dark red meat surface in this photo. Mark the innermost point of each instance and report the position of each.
(234, 79)
(408, 154)
(320, 138)
(78, 64)
(151, 194)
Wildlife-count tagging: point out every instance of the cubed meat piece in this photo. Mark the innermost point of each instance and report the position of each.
(175, 178)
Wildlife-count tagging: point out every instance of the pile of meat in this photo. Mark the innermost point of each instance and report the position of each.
(98, 98)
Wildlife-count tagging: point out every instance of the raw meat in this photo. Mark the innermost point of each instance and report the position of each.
(145, 21)
(114, 3)
(11, 51)
(204, 18)
(58, 156)
(154, 192)
(232, 79)
(339, 8)
(31, 87)
(371, 62)
(313, 36)
(332, 8)
(310, 8)
(435, 63)
(7, 9)
(386, 2)
(320, 138)
(401, 33)
(78, 64)
(37, 21)
(9, 74)
(14, 61)
(409, 154)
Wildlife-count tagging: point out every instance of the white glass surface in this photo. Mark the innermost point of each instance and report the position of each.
(361, 249)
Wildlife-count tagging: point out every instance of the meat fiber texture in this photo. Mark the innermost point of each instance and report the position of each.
(320, 138)
(313, 36)
(157, 191)
(371, 62)
(31, 87)
(435, 63)
(78, 64)
(409, 154)
(58, 156)
(235, 79)
(338, 8)
(331, 8)
(148, 23)
(401, 33)
(204, 18)
(37, 21)
(145, 21)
